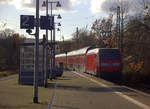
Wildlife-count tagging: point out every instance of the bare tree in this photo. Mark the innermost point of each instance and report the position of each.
(102, 30)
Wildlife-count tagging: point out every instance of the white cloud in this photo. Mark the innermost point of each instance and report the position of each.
(134, 6)
(67, 5)
(5, 1)
(96, 6)
(77, 2)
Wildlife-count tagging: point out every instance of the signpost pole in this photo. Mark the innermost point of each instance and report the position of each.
(36, 61)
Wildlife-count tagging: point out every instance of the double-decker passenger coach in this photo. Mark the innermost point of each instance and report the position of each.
(102, 62)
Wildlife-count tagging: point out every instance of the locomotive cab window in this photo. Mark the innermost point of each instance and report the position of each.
(113, 54)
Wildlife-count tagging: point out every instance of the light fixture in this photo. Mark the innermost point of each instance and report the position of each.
(59, 17)
(59, 24)
(58, 29)
(58, 4)
(146, 7)
(44, 4)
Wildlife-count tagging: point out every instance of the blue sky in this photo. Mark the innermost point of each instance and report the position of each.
(75, 13)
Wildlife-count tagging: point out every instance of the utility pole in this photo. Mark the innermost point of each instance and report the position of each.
(63, 39)
(77, 36)
(36, 60)
(118, 27)
(122, 27)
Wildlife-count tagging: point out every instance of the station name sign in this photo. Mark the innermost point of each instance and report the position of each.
(29, 22)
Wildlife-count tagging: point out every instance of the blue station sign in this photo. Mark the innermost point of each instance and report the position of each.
(27, 22)
(47, 22)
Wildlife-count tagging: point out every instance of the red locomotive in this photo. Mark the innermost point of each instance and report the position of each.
(103, 62)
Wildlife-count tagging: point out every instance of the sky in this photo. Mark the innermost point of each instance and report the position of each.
(75, 13)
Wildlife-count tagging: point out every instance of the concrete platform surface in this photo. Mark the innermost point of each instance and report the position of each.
(80, 91)
(71, 91)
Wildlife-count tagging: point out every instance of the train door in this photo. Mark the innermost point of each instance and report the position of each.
(91, 63)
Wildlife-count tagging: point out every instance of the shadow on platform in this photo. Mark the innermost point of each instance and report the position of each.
(64, 107)
(51, 85)
(64, 79)
(93, 89)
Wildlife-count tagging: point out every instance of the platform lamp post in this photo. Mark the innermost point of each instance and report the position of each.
(54, 41)
(54, 46)
(45, 4)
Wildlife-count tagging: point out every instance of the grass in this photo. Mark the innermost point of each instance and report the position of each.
(15, 96)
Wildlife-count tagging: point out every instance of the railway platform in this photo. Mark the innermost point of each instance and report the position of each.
(81, 91)
(72, 91)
